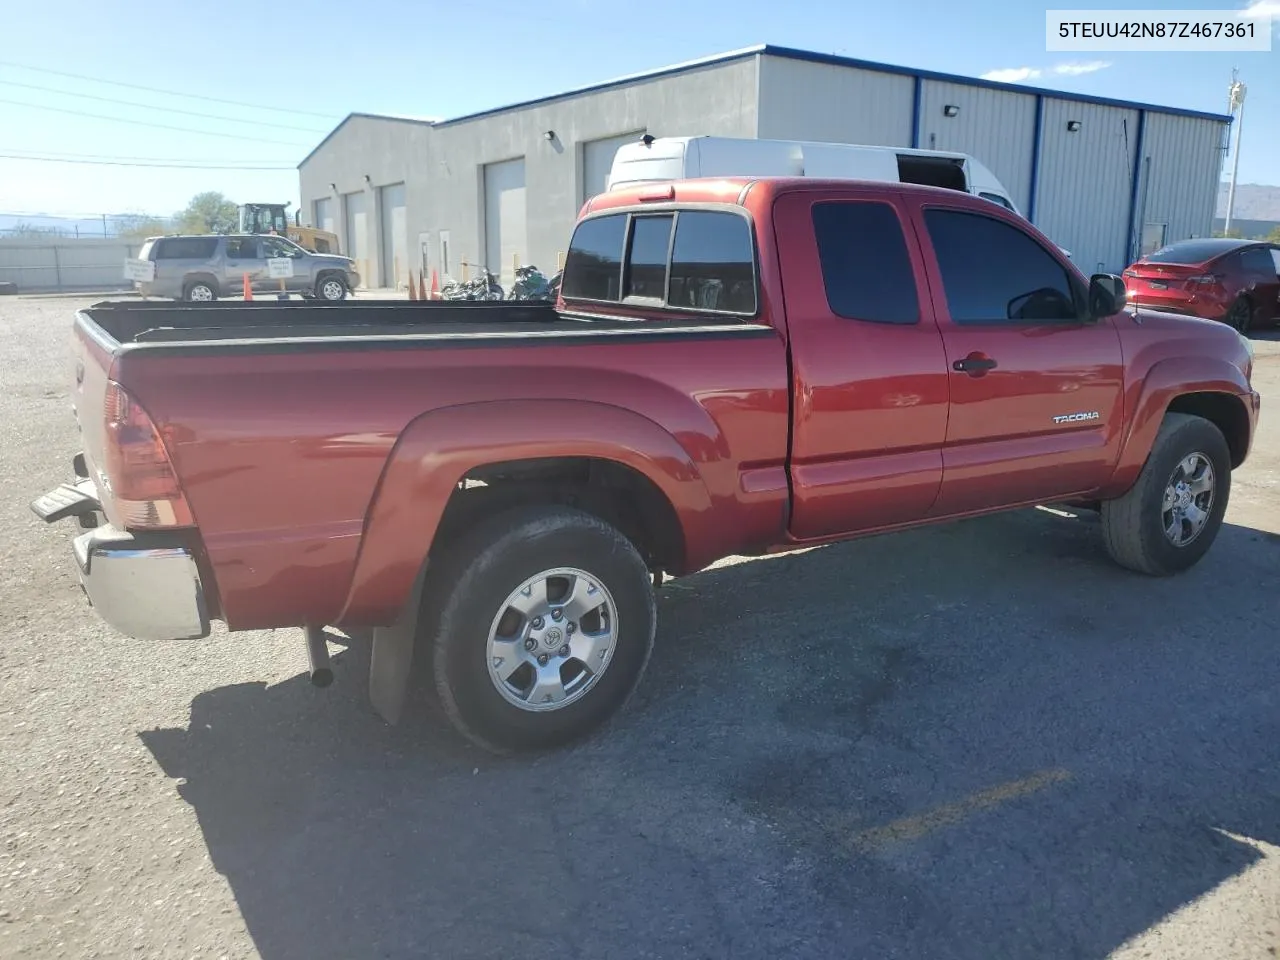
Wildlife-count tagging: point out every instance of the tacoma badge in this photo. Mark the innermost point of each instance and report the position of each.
(1073, 417)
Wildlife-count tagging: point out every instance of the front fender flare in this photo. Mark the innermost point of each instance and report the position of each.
(1150, 400)
(437, 449)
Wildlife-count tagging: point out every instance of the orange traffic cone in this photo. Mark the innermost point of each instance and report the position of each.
(435, 286)
(248, 290)
(413, 287)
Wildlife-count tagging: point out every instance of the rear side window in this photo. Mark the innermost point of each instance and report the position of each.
(713, 263)
(709, 263)
(593, 268)
(243, 248)
(865, 265)
(186, 248)
(993, 272)
(1257, 260)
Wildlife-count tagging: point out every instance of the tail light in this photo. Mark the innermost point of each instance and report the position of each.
(140, 476)
(1204, 280)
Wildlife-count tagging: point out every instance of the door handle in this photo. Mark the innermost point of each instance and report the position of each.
(975, 364)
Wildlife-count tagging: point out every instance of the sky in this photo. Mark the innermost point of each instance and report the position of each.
(262, 85)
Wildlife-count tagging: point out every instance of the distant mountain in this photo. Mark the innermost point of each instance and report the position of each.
(1254, 201)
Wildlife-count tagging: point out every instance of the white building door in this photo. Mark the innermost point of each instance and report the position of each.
(395, 244)
(324, 215)
(505, 236)
(597, 159)
(357, 216)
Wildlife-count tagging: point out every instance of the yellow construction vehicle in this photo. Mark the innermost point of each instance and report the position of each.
(274, 218)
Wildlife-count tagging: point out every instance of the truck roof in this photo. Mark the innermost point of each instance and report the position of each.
(734, 190)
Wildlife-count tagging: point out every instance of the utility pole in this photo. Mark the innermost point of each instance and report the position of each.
(1236, 95)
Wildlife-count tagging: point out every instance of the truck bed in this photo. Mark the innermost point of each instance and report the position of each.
(236, 325)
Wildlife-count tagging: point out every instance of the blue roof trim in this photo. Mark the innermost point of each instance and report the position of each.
(788, 53)
(792, 54)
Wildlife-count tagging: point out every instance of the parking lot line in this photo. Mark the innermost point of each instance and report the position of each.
(913, 828)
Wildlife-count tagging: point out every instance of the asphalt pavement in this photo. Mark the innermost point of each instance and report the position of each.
(980, 740)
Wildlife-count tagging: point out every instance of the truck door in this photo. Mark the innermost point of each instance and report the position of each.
(1036, 390)
(869, 376)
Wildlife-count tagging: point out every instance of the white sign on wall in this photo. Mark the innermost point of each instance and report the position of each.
(142, 271)
(280, 268)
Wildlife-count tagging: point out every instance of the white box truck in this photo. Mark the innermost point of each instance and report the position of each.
(677, 158)
(654, 159)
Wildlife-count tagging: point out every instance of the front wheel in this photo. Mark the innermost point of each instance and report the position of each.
(545, 625)
(1170, 517)
(332, 288)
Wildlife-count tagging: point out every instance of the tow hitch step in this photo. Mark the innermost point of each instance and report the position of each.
(66, 500)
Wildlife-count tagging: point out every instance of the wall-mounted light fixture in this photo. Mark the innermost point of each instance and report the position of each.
(950, 110)
(1073, 126)
(549, 135)
(366, 179)
(333, 188)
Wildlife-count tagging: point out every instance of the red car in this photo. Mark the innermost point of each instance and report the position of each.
(1225, 279)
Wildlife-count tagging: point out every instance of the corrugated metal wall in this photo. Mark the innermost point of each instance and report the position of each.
(1085, 181)
(65, 264)
(996, 126)
(1181, 185)
(818, 101)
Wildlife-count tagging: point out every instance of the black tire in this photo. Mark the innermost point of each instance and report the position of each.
(474, 581)
(1133, 525)
(190, 291)
(324, 287)
(1239, 315)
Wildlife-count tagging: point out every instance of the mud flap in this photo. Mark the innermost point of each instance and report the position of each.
(391, 666)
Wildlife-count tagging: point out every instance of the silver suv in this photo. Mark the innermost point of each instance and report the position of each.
(208, 267)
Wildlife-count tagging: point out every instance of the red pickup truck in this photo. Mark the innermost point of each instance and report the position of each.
(733, 367)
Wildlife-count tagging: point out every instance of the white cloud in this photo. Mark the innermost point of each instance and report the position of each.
(1023, 74)
(1262, 8)
(1012, 74)
(1077, 69)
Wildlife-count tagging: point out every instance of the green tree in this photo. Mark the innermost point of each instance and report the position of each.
(1273, 236)
(209, 212)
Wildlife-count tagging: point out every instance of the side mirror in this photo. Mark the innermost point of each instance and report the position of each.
(1106, 295)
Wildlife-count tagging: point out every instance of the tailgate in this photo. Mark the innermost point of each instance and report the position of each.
(93, 355)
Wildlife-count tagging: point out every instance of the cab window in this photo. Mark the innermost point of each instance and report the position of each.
(992, 272)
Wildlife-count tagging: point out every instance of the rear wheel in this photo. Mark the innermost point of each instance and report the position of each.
(1171, 516)
(1240, 315)
(199, 291)
(546, 621)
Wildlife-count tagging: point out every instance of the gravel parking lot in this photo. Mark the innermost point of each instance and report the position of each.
(980, 740)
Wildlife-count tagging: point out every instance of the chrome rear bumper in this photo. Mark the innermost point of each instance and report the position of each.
(146, 586)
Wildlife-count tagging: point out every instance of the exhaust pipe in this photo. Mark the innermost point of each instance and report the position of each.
(318, 657)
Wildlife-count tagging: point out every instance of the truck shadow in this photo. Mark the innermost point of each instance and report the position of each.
(979, 740)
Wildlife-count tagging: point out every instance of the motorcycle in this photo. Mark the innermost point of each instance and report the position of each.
(530, 284)
(482, 287)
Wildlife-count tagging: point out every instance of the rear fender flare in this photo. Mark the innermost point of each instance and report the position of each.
(436, 450)
(1165, 382)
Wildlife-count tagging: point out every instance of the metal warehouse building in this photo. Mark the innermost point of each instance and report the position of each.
(1103, 178)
